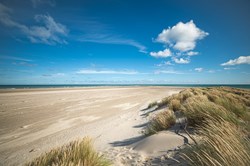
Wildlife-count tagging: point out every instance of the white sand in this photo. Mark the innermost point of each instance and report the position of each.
(159, 143)
(35, 121)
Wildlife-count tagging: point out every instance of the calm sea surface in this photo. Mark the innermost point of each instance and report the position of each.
(245, 86)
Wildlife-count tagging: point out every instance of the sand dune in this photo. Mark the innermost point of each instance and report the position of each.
(37, 120)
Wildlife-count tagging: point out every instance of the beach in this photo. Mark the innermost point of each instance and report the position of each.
(34, 121)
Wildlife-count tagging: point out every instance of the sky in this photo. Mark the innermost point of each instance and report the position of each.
(124, 42)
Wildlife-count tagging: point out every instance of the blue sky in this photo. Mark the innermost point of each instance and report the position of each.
(124, 42)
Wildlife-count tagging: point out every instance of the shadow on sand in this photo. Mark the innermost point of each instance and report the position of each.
(147, 111)
(143, 125)
(127, 142)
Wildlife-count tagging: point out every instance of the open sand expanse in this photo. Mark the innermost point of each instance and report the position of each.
(33, 121)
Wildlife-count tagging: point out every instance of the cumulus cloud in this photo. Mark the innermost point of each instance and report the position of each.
(90, 71)
(179, 41)
(199, 69)
(181, 60)
(182, 36)
(237, 61)
(48, 31)
(161, 54)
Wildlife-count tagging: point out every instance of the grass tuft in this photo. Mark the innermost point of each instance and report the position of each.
(162, 121)
(175, 105)
(222, 144)
(77, 153)
(152, 104)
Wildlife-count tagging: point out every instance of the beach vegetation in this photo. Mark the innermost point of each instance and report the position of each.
(223, 143)
(152, 104)
(77, 153)
(175, 105)
(162, 121)
(220, 118)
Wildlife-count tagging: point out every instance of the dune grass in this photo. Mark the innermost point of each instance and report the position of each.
(152, 104)
(222, 144)
(162, 121)
(221, 117)
(77, 153)
(230, 103)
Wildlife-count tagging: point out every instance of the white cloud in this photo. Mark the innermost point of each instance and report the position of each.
(167, 72)
(15, 58)
(181, 60)
(24, 63)
(161, 54)
(192, 53)
(48, 31)
(54, 75)
(90, 71)
(59, 74)
(113, 39)
(211, 71)
(180, 40)
(199, 69)
(167, 63)
(237, 61)
(182, 36)
(229, 68)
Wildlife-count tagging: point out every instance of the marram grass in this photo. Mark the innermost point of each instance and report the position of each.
(195, 103)
(221, 118)
(77, 153)
(162, 121)
(223, 143)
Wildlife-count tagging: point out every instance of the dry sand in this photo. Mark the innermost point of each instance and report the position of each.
(33, 121)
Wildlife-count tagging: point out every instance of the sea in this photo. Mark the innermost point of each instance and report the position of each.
(243, 86)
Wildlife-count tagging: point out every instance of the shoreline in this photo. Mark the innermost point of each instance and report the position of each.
(48, 86)
(71, 89)
(43, 88)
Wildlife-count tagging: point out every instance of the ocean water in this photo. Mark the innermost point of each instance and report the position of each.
(245, 86)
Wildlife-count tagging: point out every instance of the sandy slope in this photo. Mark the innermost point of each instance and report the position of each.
(34, 121)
